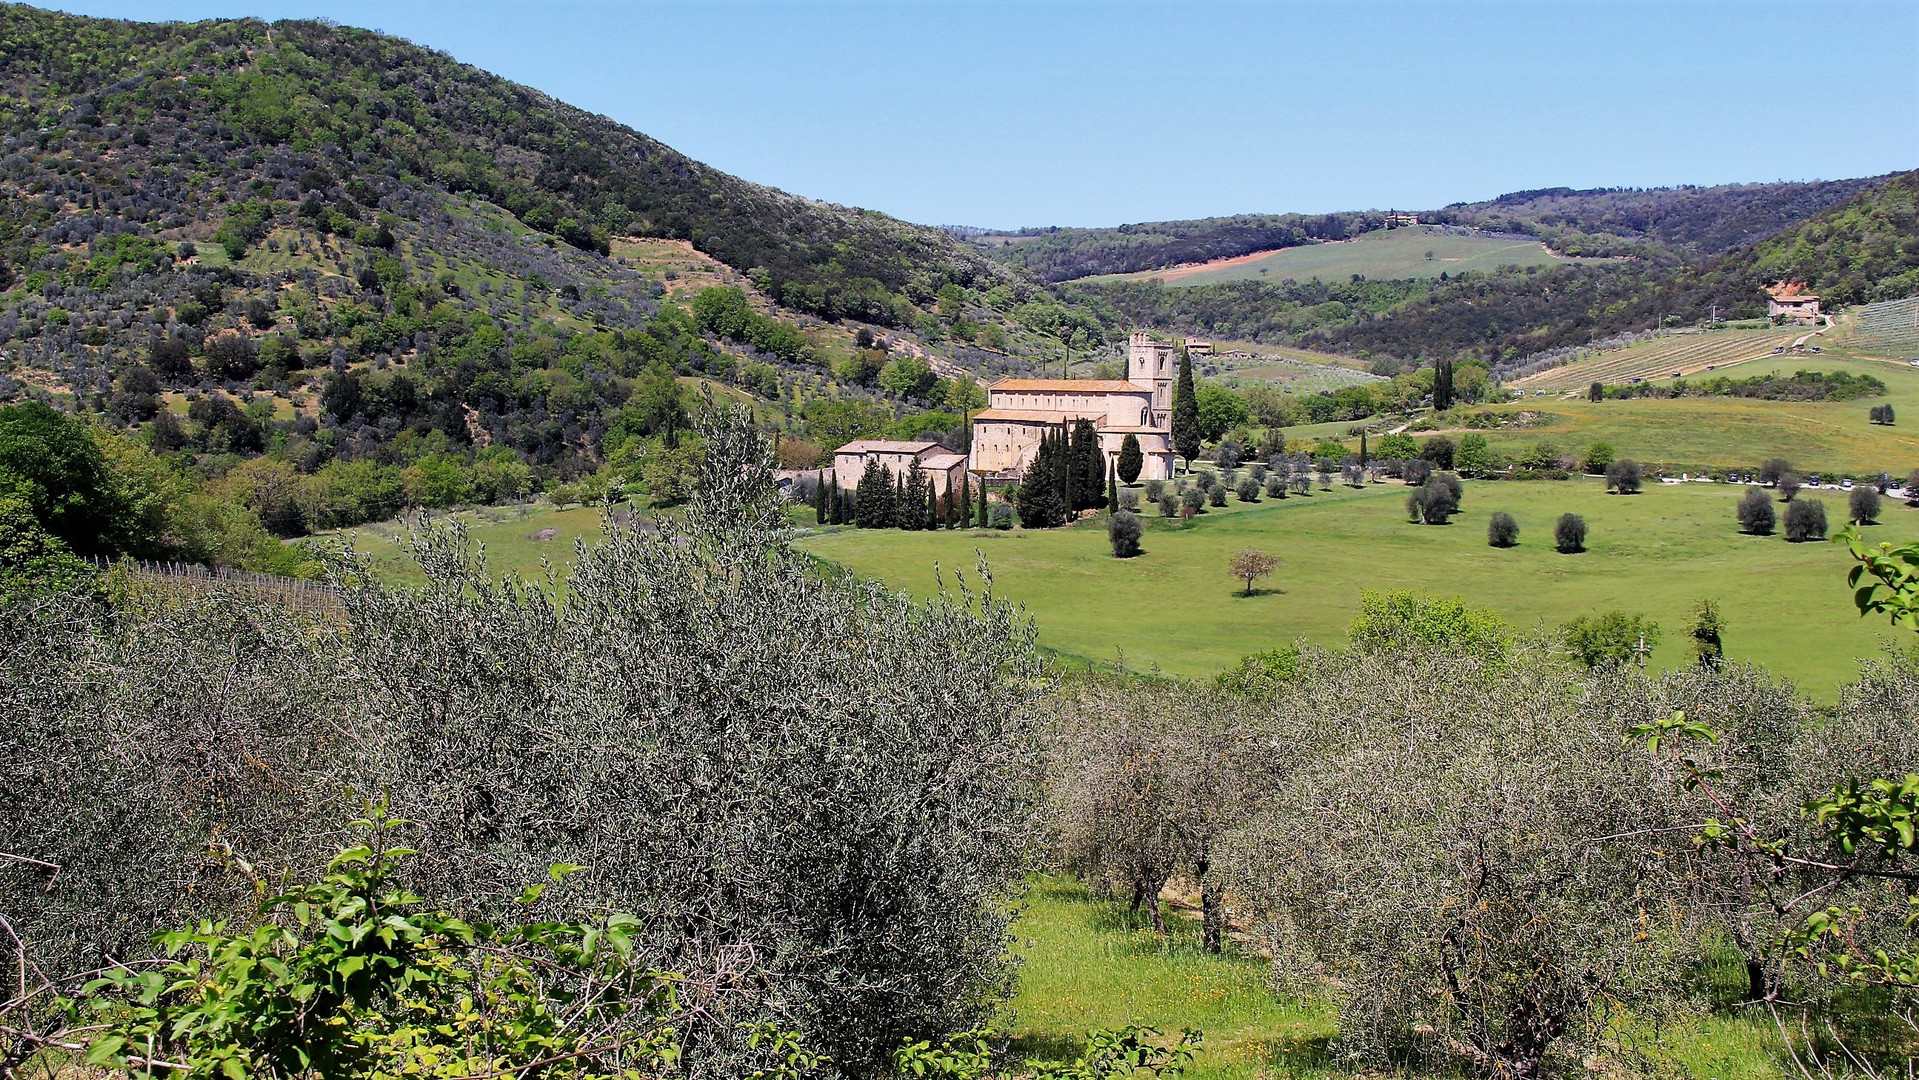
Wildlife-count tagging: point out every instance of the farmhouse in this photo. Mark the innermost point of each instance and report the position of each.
(1789, 299)
(898, 457)
(1019, 413)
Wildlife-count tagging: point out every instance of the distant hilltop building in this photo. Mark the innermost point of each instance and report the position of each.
(1020, 412)
(1397, 219)
(1196, 347)
(1789, 299)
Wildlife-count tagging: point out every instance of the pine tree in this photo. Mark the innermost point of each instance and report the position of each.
(1186, 412)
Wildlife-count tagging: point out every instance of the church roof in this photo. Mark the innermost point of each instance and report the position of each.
(941, 462)
(1075, 386)
(886, 446)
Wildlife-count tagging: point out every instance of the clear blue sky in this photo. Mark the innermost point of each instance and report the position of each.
(1054, 113)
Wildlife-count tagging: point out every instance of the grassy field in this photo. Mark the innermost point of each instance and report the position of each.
(1722, 432)
(1382, 254)
(1087, 964)
(515, 538)
(1176, 608)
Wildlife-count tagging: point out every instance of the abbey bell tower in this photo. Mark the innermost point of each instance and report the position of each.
(1153, 364)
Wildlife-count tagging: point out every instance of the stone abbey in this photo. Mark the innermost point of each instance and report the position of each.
(1019, 412)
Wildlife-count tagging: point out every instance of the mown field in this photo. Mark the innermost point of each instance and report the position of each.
(1087, 963)
(1726, 432)
(1382, 254)
(1176, 607)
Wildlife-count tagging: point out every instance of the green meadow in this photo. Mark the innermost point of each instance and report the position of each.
(1177, 609)
(1724, 432)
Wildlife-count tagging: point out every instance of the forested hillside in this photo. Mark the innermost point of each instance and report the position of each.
(1668, 225)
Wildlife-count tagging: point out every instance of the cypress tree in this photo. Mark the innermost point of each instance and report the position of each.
(1362, 450)
(1442, 385)
(819, 503)
(1186, 412)
(1112, 489)
(1131, 459)
(984, 520)
(932, 505)
(873, 506)
(846, 507)
(952, 514)
(964, 515)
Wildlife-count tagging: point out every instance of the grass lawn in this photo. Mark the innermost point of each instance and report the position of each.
(1175, 607)
(1087, 964)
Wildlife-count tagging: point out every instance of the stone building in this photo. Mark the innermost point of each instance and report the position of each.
(1788, 299)
(897, 457)
(1019, 413)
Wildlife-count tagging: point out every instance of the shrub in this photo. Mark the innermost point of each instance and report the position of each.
(1275, 486)
(1169, 505)
(1614, 638)
(1416, 470)
(1123, 530)
(1438, 451)
(1216, 496)
(1623, 476)
(1805, 520)
(1789, 486)
(1437, 502)
(1154, 489)
(1772, 469)
(1248, 490)
(1192, 500)
(1569, 534)
(1502, 531)
(1128, 499)
(1756, 513)
(1205, 479)
(1864, 504)
(1396, 621)
(1598, 457)
(1229, 454)
(1000, 516)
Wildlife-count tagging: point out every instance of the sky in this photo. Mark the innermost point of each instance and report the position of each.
(1071, 113)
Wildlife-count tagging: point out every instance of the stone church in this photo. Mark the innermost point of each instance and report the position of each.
(1019, 412)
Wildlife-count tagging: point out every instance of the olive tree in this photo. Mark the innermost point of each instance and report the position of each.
(1864, 504)
(1501, 530)
(1756, 514)
(1805, 520)
(1569, 534)
(819, 826)
(1624, 476)
(1429, 851)
(1147, 779)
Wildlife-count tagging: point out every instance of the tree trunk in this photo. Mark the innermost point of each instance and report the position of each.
(1139, 896)
(1212, 916)
(1153, 907)
(1756, 989)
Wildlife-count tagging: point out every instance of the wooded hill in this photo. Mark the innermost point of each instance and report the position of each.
(1860, 249)
(362, 104)
(1666, 225)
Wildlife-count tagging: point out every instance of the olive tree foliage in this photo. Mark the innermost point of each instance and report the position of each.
(819, 826)
(1429, 852)
(1146, 780)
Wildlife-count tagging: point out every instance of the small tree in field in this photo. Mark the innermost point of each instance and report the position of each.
(1755, 513)
(1123, 529)
(1864, 504)
(1623, 476)
(1805, 520)
(1252, 564)
(1789, 486)
(1569, 534)
(1248, 490)
(1708, 646)
(1596, 392)
(1772, 469)
(1502, 531)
